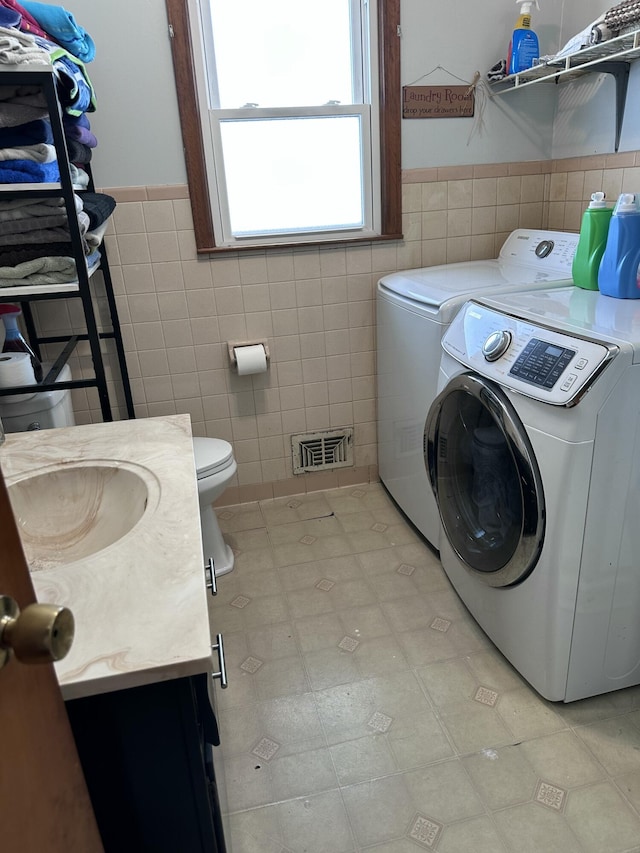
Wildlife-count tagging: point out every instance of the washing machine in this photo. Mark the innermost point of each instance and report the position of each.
(414, 309)
(533, 451)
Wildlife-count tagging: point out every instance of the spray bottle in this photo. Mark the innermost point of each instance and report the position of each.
(14, 340)
(523, 48)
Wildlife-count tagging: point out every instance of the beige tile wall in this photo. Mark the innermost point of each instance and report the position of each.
(315, 306)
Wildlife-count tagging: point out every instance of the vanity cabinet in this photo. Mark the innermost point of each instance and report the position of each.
(138, 681)
(147, 755)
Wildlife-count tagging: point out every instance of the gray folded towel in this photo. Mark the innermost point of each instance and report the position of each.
(46, 270)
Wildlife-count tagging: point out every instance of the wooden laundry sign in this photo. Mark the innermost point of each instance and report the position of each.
(437, 101)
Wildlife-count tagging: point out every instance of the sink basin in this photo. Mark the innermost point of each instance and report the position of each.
(68, 513)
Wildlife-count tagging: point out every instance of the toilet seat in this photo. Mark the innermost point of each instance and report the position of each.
(211, 456)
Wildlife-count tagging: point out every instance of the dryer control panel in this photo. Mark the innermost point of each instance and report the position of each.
(542, 363)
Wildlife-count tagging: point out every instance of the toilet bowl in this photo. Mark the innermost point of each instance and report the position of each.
(42, 410)
(215, 467)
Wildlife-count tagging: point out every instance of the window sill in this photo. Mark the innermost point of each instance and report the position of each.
(324, 244)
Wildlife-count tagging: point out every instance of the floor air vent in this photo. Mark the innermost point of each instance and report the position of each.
(319, 451)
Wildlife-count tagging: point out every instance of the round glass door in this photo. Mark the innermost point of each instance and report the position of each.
(486, 481)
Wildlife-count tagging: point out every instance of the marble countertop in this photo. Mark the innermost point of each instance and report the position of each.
(140, 604)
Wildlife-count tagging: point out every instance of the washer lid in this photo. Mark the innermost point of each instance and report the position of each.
(521, 262)
(211, 455)
(435, 285)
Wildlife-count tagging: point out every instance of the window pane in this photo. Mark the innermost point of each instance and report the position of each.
(282, 53)
(296, 174)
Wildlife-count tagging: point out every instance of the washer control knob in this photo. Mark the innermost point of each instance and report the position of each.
(544, 248)
(496, 345)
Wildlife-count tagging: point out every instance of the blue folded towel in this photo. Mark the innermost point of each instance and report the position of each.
(9, 17)
(28, 172)
(26, 134)
(62, 27)
(73, 90)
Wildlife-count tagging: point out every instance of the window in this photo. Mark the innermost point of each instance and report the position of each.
(292, 128)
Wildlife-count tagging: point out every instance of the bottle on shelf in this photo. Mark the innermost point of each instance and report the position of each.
(591, 243)
(524, 49)
(14, 340)
(618, 273)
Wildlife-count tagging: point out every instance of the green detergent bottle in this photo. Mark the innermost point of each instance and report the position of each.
(591, 243)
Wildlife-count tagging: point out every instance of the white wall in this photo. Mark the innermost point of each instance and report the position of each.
(463, 36)
(585, 119)
(137, 118)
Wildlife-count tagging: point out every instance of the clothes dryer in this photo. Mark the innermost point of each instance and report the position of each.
(533, 451)
(414, 309)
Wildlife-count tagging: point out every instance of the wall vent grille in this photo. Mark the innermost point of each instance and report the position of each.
(320, 451)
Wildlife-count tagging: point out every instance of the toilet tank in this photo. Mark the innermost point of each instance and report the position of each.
(43, 410)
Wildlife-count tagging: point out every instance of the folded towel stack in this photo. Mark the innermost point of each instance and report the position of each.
(36, 229)
(16, 48)
(35, 238)
(32, 34)
(25, 21)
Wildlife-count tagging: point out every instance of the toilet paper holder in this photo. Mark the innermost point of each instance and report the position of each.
(231, 346)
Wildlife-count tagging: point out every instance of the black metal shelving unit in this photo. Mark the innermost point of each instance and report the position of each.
(82, 289)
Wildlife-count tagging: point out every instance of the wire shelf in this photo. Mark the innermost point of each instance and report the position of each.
(625, 48)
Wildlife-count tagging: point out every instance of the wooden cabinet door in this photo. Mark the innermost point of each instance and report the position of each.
(44, 803)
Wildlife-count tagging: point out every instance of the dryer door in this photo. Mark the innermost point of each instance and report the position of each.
(486, 480)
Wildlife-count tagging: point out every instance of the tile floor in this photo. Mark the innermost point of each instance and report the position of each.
(366, 711)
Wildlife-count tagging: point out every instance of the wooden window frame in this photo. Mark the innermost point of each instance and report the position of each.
(390, 123)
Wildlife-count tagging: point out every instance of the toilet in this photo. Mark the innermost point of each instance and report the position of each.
(41, 410)
(215, 467)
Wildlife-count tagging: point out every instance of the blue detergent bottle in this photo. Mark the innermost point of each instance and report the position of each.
(618, 273)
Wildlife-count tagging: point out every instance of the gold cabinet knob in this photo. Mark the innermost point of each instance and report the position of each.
(41, 633)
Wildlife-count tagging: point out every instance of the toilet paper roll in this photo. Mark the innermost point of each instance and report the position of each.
(15, 369)
(251, 359)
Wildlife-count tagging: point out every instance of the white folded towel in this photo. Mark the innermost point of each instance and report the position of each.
(17, 48)
(41, 152)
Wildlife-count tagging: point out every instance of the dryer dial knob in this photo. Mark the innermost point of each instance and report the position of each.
(496, 345)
